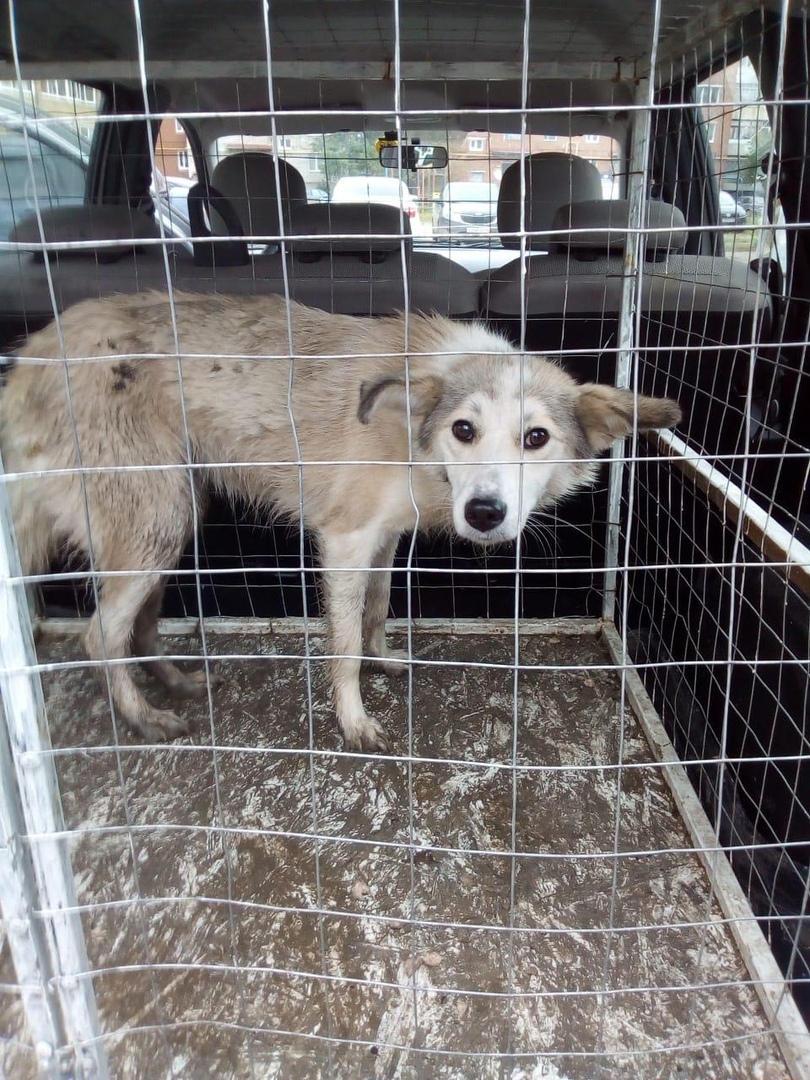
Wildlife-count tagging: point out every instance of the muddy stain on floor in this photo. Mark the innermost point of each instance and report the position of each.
(259, 911)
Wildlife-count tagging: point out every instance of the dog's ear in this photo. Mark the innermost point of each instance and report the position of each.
(606, 413)
(391, 395)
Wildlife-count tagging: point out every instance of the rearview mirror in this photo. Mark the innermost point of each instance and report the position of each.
(413, 156)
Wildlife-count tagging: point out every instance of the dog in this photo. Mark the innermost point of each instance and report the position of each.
(363, 434)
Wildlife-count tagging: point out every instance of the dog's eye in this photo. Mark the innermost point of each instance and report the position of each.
(535, 438)
(463, 431)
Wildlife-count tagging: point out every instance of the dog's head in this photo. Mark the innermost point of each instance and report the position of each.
(513, 434)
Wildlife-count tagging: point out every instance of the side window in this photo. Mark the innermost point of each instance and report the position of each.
(175, 175)
(738, 132)
(173, 154)
(56, 117)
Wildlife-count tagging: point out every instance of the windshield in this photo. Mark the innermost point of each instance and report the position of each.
(453, 209)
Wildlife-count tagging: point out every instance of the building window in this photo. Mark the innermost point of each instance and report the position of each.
(182, 160)
(475, 142)
(477, 177)
(178, 127)
(592, 138)
(711, 131)
(64, 88)
(512, 136)
(708, 93)
(549, 138)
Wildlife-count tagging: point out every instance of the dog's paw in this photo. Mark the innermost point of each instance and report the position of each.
(392, 662)
(194, 684)
(159, 725)
(365, 736)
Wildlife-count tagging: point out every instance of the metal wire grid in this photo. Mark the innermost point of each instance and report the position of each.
(685, 604)
(676, 547)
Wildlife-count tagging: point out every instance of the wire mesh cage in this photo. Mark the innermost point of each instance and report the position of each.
(288, 277)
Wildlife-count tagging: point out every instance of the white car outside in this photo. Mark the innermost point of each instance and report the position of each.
(386, 190)
(468, 208)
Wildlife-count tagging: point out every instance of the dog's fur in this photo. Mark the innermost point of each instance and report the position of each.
(351, 409)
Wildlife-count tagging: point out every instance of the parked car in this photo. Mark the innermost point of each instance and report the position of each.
(387, 190)
(317, 194)
(467, 209)
(731, 213)
(754, 203)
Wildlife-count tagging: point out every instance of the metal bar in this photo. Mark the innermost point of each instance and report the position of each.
(23, 933)
(631, 269)
(769, 983)
(31, 806)
(290, 625)
(415, 70)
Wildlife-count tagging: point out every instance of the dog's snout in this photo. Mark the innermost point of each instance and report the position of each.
(484, 514)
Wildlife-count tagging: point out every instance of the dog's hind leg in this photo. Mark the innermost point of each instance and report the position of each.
(345, 558)
(109, 637)
(139, 525)
(378, 598)
(145, 643)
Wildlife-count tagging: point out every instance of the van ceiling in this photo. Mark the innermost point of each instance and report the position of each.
(324, 39)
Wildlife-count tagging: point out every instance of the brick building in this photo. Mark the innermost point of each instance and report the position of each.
(483, 156)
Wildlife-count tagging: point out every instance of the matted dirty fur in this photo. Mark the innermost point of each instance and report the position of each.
(340, 426)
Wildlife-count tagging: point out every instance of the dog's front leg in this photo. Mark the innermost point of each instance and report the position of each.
(378, 598)
(346, 558)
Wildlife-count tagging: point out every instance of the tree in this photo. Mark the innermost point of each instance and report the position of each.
(750, 165)
(349, 153)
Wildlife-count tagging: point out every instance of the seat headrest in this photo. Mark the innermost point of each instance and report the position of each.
(599, 226)
(248, 182)
(552, 180)
(68, 224)
(368, 229)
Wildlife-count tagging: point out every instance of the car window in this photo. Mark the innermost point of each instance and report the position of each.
(53, 121)
(738, 133)
(344, 166)
(176, 173)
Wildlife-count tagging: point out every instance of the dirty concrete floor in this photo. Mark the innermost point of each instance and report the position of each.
(263, 912)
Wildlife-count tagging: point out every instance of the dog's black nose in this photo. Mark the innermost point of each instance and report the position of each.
(485, 514)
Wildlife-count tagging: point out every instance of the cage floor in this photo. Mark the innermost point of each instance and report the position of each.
(405, 942)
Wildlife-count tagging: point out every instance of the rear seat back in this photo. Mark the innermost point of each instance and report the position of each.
(698, 312)
(583, 271)
(358, 258)
(600, 226)
(343, 258)
(107, 232)
(370, 232)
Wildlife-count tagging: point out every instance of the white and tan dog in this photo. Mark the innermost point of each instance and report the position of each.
(473, 437)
